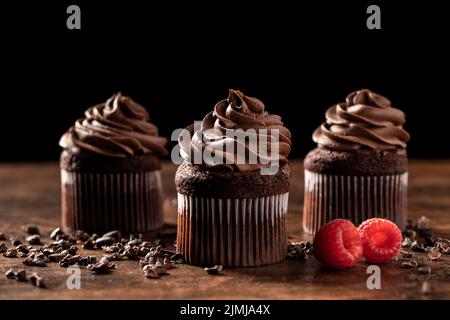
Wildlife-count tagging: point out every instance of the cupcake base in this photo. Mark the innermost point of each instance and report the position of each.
(232, 232)
(101, 202)
(356, 198)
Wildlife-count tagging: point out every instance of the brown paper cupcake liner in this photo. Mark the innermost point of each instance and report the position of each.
(129, 202)
(356, 198)
(232, 232)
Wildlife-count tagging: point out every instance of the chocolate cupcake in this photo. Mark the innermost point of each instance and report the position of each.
(232, 210)
(110, 170)
(360, 168)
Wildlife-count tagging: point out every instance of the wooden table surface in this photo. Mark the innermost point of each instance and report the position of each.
(30, 194)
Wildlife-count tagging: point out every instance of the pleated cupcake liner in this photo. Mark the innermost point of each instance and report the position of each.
(356, 198)
(232, 232)
(129, 202)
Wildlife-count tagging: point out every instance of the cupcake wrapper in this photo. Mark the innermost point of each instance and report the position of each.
(356, 198)
(129, 202)
(232, 232)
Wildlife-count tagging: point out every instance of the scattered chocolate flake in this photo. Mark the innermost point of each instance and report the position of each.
(10, 274)
(426, 287)
(143, 251)
(56, 257)
(80, 235)
(434, 255)
(177, 257)
(150, 271)
(56, 232)
(297, 250)
(63, 244)
(69, 260)
(72, 250)
(106, 259)
(89, 244)
(214, 270)
(47, 251)
(32, 230)
(134, 242)
(417, 246)
(34, 239)
(87, 260)
(443, 245)
(145, 261)
(3, 247)
(131, 253)
(409, 264)
(19, 275)
(102, 267)
(409, 233)
(112, 249)
(405, 254)
(37, 281)
(15, 241)
(430, 240)
(36, 258)
(406, 242)
(155, 252)
(114, 257)
(2, 237)
(10, 253)
(146, 244)
(160, 268)
(35, 262)
(424, 270)
(23, 249)
(62, 236)
(168, 263)
(115, 234)
(104, 241)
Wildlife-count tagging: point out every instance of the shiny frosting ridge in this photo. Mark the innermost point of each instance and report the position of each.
(236, 112)
(119, 127)
(364, 120)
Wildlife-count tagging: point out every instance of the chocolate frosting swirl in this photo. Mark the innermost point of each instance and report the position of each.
(364, 120)
(120, 127)
(239, 111)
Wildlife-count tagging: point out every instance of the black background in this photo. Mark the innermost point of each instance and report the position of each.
(179, 58)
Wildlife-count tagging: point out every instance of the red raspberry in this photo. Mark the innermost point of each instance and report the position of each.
(381, 240)
(337, 244)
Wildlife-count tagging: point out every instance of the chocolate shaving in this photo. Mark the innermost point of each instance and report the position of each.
(10, 253)
(434, 255)
(217, 269)
(409, 264)
(37, 281)
(418, 247)
(102, 267)
(424, 270)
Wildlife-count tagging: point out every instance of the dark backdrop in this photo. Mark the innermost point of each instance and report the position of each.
(178, 59)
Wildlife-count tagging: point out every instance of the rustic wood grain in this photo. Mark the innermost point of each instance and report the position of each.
(30, 194)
